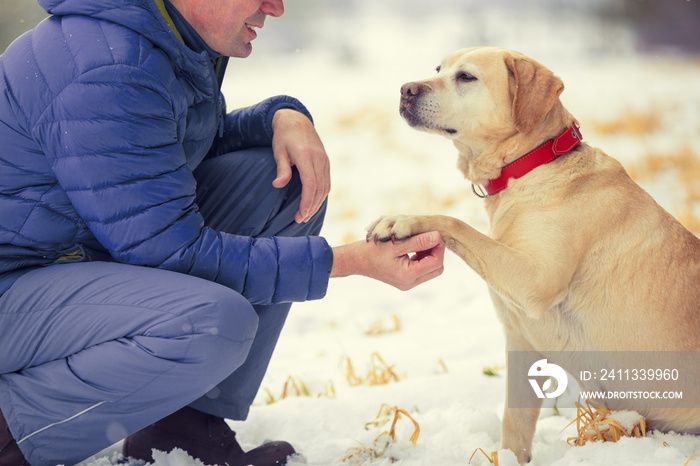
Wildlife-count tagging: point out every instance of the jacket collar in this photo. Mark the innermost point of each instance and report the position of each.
(183, 30)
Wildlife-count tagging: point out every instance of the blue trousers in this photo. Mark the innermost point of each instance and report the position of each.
(92, 352)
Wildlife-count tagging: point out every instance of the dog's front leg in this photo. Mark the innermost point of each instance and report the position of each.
(518, 425)
(518, 430)
(534, 276)
(522, 407)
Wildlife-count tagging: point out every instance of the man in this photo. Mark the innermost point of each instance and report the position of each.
(150, 243)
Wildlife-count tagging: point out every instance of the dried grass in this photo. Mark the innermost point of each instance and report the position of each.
(685, 169)
(684, 165)
(441, 367)
(291, 384)
(688, 462)
(380, 373)
(297, 387)
(493, 459)
(367, 118)
(378, 327)
(631, 122)
(385, 438)
(594, 425)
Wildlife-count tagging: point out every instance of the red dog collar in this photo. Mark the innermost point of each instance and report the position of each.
(550, 150)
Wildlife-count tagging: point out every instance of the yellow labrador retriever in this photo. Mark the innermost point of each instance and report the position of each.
(578, 258)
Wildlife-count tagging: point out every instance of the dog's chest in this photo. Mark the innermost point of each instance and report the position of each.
(559, 329)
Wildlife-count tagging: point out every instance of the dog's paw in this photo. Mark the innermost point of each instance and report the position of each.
(390, 228)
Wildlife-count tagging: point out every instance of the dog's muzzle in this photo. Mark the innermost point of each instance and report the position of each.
(409, 106)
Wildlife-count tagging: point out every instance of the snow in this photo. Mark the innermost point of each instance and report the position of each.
(349, 76)
(627, 419)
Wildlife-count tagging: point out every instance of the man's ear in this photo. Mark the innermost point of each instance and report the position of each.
(535, 90)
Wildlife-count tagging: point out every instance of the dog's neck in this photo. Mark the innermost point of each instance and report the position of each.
(483, 162)
(541, 155)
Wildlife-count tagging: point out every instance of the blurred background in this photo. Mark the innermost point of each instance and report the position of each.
(630, 67)
(631, 70)
(648, 26)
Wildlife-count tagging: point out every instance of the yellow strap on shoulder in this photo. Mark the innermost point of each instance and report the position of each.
(161, 7)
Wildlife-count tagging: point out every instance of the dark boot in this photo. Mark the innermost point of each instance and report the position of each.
(10, 454)
(203, 436)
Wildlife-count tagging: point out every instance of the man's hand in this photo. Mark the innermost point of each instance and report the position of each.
(403, 264)
(296, 143)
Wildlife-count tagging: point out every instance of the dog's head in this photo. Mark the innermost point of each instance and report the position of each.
(488, 101)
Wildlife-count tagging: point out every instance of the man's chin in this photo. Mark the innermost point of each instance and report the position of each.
(239, 51)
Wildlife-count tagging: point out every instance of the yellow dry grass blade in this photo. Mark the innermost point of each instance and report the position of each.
(290, 383)
(384, 439)
(594, 425)
(383, 418)
(352, 379)
(378, 327)
(355, 454)
(380, 373)
(358, 454)
(328, 391)
(694, 455)
(416, 427)
(270, 398)
(384, 411)
(493, 459)
(297, 387)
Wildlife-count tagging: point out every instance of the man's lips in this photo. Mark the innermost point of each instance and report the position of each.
(253, 29)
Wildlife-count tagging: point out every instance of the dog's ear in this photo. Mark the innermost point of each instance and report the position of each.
(535, 90)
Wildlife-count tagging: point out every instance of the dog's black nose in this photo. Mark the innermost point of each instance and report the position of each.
(409, 90)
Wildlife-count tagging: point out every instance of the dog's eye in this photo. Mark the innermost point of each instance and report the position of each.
(438, 68)
(465, 77)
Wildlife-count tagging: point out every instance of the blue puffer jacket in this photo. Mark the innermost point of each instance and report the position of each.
(104, 114)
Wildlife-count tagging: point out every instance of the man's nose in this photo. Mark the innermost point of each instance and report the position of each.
(273, 7)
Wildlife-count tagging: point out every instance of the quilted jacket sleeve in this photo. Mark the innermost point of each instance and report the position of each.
(113, 139)
(252, 126)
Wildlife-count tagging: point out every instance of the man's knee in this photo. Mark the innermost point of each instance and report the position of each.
(225, 313)
(220, 328)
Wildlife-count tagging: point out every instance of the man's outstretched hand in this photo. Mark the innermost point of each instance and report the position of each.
(402, 264)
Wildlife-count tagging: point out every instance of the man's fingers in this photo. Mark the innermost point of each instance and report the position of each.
(428, 261)
(436, 251)
(308, 190)
(307, 175)
(421, 278)
(284, 170)
(429, 276)
(422, 242)
(281, 181)
(283, 177)
(315, 182)
(323, 183)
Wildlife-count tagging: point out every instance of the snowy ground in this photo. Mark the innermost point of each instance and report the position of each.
(448, 329)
